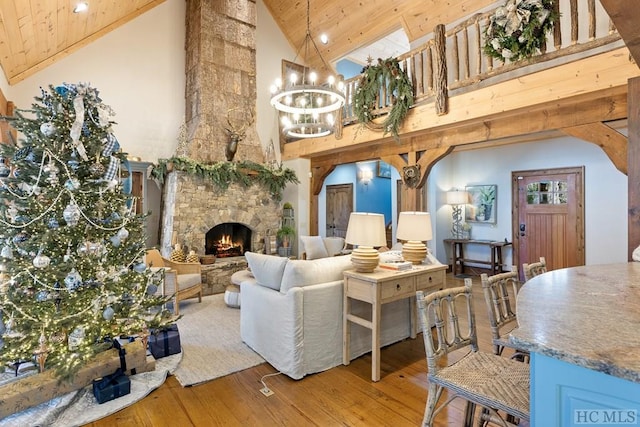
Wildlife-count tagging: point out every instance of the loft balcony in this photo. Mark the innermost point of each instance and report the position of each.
(463, 97)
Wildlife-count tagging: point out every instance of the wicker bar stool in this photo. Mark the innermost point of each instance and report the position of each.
(534, 269)
(500, 292)
(484, 379)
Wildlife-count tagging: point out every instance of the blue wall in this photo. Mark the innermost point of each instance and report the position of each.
(375, 196)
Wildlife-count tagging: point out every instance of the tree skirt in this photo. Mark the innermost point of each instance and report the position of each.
(80, 407)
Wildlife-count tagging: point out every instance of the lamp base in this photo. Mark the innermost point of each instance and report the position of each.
(364, 259)
(414, 251)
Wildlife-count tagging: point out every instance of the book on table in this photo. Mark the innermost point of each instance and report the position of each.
(396, 265)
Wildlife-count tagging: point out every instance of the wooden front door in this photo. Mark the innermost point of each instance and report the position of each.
(548, 217)
(339, 207)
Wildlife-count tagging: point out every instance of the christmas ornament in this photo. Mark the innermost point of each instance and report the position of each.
(73, 162)
(108, 313)
(140, 268)
(21, 237)
(53, 223)
(6, 252)
(123, 233)
(72, 184)
(42, 296)
(4, 169)
(96, 170)
(115, 241)
(58, 337)
(71, 214)
(88, 248)
(152, 289)
(52, 170)
(75, 338)
(48, 129)
(73, 280)
(41, 261)
(101, 275)
(42, 352)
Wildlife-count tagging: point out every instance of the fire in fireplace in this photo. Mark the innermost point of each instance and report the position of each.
(228, 240)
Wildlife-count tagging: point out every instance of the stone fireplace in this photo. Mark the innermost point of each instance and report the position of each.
(228, 239)
(220, 93)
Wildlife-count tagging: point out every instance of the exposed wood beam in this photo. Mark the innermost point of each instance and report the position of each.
(633, 176)
(625, 17)
(612, 142)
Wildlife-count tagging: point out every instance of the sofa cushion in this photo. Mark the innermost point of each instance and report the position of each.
(300, 273)
(267, 269)
(314, 247)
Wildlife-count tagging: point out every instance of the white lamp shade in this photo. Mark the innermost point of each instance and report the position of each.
(366, 229)
(456, 197)
(414, 226)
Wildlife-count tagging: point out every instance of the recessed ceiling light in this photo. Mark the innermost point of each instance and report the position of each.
(324, 38)
(81, 7)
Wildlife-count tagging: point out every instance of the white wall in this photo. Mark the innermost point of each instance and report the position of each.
(605, 192)
(138, 69)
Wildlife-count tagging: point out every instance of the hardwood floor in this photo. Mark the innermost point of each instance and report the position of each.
(342, 396)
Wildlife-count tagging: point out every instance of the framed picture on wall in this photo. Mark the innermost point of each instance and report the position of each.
(482, 205)
(383, 170)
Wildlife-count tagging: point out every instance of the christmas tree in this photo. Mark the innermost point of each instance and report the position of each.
(71, 260)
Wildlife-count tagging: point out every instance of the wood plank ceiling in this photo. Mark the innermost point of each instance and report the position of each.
(36, 33)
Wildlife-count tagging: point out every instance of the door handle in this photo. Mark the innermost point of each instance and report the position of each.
(522, 229)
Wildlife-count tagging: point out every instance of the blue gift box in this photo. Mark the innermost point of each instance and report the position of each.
(111, 386)
(164, 342)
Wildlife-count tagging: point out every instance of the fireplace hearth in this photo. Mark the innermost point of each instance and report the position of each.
(228, 240)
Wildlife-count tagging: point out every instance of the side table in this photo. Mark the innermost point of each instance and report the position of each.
(381, 287)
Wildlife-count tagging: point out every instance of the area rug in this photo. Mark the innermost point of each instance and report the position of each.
(211, 343)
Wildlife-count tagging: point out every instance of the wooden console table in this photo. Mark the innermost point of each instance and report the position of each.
(457, 254)
(381, 287)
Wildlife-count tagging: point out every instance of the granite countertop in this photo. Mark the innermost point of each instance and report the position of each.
(588, 316)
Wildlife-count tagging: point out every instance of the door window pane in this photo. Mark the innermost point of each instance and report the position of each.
(547, 193)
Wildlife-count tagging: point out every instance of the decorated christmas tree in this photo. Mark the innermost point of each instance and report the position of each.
(71, 260)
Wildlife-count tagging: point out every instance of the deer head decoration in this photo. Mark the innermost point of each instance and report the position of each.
(236, 134)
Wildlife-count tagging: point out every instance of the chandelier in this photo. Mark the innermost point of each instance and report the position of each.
(307, 108)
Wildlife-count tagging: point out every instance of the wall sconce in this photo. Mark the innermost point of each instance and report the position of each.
(456, 199)
(365, 175)
(415, 228)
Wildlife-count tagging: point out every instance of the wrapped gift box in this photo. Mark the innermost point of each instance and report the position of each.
(111, 386)
(32, 390)
(164, 342)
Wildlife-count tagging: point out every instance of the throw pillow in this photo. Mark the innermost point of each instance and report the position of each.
(334, 245)
(314, 247)
(267, 269)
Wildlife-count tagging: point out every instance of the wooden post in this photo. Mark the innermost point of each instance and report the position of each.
(440, 70)
(633, 174)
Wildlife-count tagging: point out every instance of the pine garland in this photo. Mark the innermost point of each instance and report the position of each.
(518, 30)
(222, 174)
(374, 77)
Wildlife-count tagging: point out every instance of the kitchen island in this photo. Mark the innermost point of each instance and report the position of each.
(582, 327)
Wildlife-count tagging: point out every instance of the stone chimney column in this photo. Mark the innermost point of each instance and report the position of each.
(221, 79)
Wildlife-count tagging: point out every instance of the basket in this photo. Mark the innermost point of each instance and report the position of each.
(207, 259)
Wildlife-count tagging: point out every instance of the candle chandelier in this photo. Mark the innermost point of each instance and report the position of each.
(308, 109)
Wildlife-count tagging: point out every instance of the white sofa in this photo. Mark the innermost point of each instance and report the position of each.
(292, 314)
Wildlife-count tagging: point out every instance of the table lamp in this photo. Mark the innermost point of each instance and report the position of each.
(414, 228)
(456, 199)
(365, 230)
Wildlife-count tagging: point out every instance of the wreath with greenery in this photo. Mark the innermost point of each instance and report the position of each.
(222, 174)
(519, 29)
(374, 77)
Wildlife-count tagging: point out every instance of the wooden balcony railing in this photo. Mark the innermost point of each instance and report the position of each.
(453, 60)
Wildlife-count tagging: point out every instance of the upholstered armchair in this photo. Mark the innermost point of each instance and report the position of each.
(182, 280)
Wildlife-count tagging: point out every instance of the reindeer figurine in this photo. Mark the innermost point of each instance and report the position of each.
(236, 134)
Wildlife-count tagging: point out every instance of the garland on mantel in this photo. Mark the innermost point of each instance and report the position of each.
(222, 174)
(398, 86)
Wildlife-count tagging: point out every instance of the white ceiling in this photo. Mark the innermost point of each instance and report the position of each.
(392, 45)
